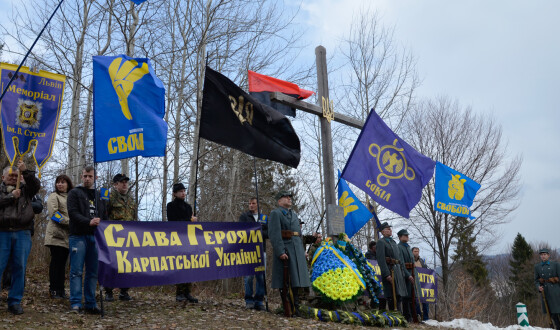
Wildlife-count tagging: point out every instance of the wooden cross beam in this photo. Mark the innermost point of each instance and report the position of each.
(326, 135)
(313, 109)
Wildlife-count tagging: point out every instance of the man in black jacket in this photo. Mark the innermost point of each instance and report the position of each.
(255, 301)
(85, 210)
(16, 221)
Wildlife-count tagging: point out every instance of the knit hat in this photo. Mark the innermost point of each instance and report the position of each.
(178, 186)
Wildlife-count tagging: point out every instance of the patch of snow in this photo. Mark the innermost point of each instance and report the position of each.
(474, 324)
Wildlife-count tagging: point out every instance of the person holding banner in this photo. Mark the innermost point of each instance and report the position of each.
(57, 235)
(179, 210)
(408, 259)
(85, 210)
(16, 220)
(255, 301)
(285, 236)
(121, 207)
(391, 264)
(420, 263)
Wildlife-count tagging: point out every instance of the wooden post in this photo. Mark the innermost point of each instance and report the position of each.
(326, 135)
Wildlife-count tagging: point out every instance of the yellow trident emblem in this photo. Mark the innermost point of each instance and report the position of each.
(391, 162)
(328, 109)
(123, 78)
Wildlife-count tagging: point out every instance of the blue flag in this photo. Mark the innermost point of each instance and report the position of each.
(356, 215)
(387, 168)
(57, 217)
(138, 1)
(455, 192)
(128, 109)
(104, 194)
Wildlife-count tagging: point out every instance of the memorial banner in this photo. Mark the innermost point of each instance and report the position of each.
(427, 279)
(30, 111)
(133, 254)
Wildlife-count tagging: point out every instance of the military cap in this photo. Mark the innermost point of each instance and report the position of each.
(383, 226)
(544, 250)
(283, 193)
(178, 186)
(120, 177)
(402, 232)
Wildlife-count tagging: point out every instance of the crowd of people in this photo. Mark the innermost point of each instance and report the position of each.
(75, 211)
(396, 261)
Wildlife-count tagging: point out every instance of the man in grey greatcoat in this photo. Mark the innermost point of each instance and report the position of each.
(408, 259)
(547, 275)
(389, 258)
(284, 232)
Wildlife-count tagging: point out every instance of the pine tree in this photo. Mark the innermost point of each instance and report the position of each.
(466, 254)
(521, 276)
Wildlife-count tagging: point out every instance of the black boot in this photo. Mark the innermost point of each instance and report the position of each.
(109, 296)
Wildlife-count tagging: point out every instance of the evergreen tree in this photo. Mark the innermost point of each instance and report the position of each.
(521, 276)
(466, 254)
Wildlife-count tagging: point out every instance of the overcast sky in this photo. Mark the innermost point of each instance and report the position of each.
(501, 58)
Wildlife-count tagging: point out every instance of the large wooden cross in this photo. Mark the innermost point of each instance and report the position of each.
(326, 114)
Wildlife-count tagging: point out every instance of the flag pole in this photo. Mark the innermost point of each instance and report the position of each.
(96, 213)
(264, 242)
(197, 157)
(196, 175)
(29, 51)
(322, 216)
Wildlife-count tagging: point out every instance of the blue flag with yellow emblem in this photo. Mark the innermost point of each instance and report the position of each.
(356, 214)
(455, 191)
(128, 109)
(57, 217)
(387, 168)
(104, 194)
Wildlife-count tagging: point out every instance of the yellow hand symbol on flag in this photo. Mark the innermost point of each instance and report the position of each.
(456, 188)
(123, 78)
(346, 203)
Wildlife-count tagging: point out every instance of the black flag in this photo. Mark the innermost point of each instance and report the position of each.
(235, 119)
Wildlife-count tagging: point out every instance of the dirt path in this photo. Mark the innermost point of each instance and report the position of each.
(151, 308)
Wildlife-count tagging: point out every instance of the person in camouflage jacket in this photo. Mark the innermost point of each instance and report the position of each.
(122, 206)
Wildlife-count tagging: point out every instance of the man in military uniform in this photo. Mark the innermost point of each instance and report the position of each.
(389, 259)
(121, 207)
(547, 275)
(284, 232)
(408, 259)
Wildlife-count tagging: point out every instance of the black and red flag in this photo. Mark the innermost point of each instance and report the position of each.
(260, 87)
(235, 119)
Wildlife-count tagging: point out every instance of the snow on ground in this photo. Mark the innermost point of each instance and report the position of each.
(474, 324)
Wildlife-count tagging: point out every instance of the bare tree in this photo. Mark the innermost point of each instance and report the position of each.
(471, 144)
(381, 77)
